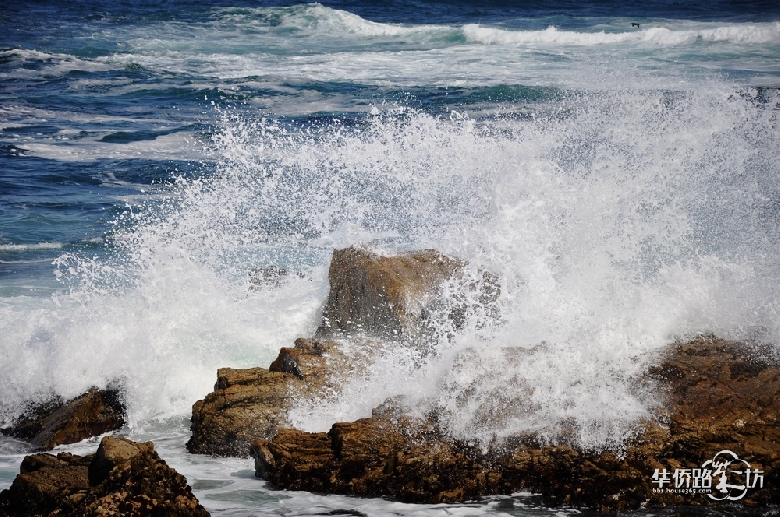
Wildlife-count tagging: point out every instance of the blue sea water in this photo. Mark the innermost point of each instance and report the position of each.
(623, 180)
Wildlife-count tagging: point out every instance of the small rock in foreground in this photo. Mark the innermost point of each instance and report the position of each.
(121, 478)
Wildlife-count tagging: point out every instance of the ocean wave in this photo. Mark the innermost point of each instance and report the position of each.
(310, 19)
(747, 33)
(25, 57)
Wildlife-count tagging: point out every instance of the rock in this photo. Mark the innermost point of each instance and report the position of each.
(370, 296)
(719, 396)
(112, 453)
(385, 297)
(723, 396)
(406, 458)
(56, 423)
(307, 360)
(122, 478)
(253, 403)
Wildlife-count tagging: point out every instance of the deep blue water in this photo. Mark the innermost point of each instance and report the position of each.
(68, 73)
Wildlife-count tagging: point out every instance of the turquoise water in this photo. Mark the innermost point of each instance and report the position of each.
(621, 180)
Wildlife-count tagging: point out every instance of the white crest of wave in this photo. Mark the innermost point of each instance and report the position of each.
(745, 33)
(314, 18)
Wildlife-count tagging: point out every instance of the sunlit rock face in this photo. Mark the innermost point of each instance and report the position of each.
(385, 297)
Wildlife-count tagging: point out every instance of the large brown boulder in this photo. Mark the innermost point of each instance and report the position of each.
(55, 423)
(121, 478)
(719, 398)
(247, 404)
(385, 297)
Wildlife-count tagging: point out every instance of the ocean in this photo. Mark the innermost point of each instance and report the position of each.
(616, 164)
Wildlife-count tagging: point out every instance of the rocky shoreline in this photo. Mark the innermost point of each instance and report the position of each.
(715, 396)
(721, 396)
(716, 424)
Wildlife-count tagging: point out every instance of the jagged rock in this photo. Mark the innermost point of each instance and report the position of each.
(719, 396)
(370, 296)
(253, 403)
(386, 297)
(405, 458)
(56, 423)
(122, 478)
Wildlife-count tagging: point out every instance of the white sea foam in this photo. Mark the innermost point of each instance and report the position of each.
(183, 145)
(615, 224)
(26, 247)
(745, 33)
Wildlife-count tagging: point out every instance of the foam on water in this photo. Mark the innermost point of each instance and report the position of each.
(175, 146)
(38, 246)
(316, 43)
(745, 33)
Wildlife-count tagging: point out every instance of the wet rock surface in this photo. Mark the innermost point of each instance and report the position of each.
(57, 422)
(370, 295)
(247, 404)
(714, 397)
(386, 297)
(121, 478)
(718, 396)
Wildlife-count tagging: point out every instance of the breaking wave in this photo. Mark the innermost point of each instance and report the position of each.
(616, 221)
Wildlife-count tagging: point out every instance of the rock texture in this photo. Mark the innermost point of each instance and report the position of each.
(386, 297)
(247, 404)
(718, 395)
(371, 296)
(122, 478)
(56, 423)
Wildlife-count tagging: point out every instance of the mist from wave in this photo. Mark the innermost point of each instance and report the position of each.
(616, 223)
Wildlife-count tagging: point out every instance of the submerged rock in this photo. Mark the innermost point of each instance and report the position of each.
(121, 478)
(247, 404)
(56, 423)
(719, 397)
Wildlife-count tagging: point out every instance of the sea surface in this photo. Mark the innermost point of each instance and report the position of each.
(616, 163)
